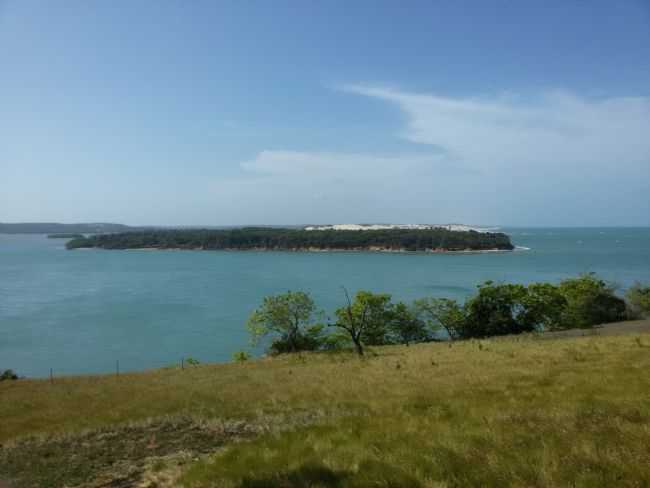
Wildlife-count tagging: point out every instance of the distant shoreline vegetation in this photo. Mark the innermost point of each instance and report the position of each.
(57, 228)
(283, 239)
(65, 236)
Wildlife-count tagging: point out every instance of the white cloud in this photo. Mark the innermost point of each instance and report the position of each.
(555, 129)
(553, 159)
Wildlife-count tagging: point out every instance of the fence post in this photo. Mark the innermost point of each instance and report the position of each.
(182, 363)
(51, 376)
(117, 367)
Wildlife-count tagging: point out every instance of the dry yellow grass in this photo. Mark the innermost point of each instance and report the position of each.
(516, 411)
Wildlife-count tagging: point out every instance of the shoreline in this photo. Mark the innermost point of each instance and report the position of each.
(317, 250)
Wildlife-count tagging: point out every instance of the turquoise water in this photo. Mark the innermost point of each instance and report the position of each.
(81, 311)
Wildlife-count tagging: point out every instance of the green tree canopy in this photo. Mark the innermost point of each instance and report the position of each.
(405, 326)
(638, 297)
(590, 301)
(290, 319)
(542, 307)
(365, 319)
(496, 310)
(439, 313)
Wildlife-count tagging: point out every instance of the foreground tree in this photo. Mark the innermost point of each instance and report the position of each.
(638, 297)
(405, 326)
(290, 319)
(496, 310)
(543, 305)
(442, 313)
(590, 301)
(365, 319)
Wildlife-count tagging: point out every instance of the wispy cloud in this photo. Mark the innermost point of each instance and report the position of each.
(555, 128)
(556, 158)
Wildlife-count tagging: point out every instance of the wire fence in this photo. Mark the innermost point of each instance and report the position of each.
(117, 368)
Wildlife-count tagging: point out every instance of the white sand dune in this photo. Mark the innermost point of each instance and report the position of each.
(455, 227)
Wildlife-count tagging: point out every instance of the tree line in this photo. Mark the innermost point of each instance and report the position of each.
(291, 322)
(299, 239)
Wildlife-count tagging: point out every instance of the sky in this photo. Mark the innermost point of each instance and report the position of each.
(510, 113)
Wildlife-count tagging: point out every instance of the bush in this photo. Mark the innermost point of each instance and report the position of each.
(439, 313)
(590, 301)
(404, 326)
(8, 374)
(288, 319)
(240, 356)
(638, 299)
(365, 319)
(497, 310)
(309, 339)
(543, 305)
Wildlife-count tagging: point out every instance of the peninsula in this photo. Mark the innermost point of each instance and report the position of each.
(430, 239)
(57, 228)
(65, 236)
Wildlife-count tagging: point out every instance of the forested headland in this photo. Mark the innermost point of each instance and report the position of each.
(65, 236)
(56, 228)
(284, 239)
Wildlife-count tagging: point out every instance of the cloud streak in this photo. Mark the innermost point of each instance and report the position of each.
(554, 128)
(552, 159)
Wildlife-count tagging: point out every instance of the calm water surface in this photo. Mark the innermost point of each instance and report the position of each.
(80, 311)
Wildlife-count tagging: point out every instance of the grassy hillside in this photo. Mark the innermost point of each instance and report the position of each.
(509, 412)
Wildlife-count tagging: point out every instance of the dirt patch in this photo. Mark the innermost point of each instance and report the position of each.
(115, 457)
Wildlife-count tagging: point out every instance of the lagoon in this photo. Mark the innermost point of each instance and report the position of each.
(79, 312)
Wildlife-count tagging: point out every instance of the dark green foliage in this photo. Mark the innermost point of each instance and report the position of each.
(542, 306)
(590, 301)
(8, 374)
(404, 326)
(365, 319)
(441, 313)
(288, 319)
(496, 310)
(54, 228)
(371, 319)
(309, 339)
(252, 238)
(512, 309)
(240, 356)
(638, 297)
(65, 236)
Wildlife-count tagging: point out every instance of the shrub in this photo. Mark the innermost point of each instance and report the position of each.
(590, 301)
(404, 326)
(439, 313)
(288, 319)
(240, 356)
(8, 374)
(497, 310)
(365, 319)
(309, 339)
(638, 299)
(543, 305)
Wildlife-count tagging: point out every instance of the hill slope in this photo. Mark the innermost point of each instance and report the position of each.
(510, 412)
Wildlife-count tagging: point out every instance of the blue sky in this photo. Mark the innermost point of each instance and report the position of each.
(225, 113)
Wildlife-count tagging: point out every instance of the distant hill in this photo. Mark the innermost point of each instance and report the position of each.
(54, 228)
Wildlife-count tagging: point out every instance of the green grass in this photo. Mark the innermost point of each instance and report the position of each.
(509, 412)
